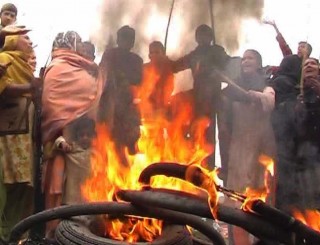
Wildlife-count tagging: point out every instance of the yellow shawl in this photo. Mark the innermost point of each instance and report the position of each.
(19, 72)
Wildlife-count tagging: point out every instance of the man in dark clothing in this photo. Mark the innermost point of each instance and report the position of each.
(203, 61)
(158, 83)
(118, 110)
(286, 86)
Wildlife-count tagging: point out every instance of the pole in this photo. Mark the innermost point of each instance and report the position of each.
(212, 20)
(37, 232)
(168, 25)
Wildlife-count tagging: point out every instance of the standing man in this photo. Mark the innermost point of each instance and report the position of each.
(124, 69)
(304, 48)
(158, 83)
(203, 61)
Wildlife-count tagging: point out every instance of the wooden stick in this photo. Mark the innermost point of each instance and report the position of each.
(168, 25)
(212, 20)
(302, 75)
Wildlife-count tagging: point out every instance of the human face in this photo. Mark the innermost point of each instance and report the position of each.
(32, 61)
(302, 50)
(310, 68)
(125, 43)
(249, 63)
(155, 54)
(24, 44)
(85, 139)
(203, 39)
(7, 18)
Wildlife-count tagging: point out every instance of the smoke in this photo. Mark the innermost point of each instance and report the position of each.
(150, 18)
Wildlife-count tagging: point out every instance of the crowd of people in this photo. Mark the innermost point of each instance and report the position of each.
(273, 111)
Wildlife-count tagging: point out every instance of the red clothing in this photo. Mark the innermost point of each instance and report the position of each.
(285, 49)
(69, 91)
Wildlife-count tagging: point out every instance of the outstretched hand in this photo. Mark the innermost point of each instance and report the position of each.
(272, 23)
(269, 22)
(13, 30)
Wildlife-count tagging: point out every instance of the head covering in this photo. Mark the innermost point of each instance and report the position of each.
(19, 72)
(9, 7)
(10, 43)
(66, 40)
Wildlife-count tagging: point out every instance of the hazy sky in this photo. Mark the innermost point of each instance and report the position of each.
(297, 19)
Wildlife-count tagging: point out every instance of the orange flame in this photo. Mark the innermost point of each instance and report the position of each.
(162, 139)
(252, 196)
(206, 180)
(268, 163)
(310, 218)
(260, 194)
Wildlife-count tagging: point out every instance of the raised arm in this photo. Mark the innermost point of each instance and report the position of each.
(285, 49)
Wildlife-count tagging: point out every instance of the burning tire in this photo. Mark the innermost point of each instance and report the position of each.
(77, 233)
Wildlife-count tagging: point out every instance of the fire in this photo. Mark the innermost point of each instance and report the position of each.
(268, 163)
(206, 180)
(163, 138)
(261, 194)
(252, 196)
(310, 218)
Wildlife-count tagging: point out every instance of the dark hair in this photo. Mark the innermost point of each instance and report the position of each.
(315, 59)
(157, 44)
(89, 47)
(308, 46)
(204, 30)
(290, 66)
(9, 7)
(81, 124)
(257, 55)
(126, 32)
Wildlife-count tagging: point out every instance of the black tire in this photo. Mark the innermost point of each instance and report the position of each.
(71, 232)
(198, 241)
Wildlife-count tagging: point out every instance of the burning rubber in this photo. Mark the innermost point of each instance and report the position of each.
(178, 208)
(117, 209)
(269, 216)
